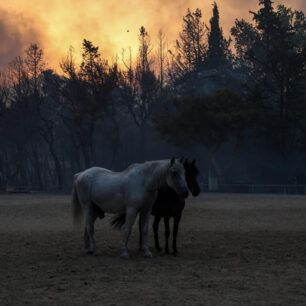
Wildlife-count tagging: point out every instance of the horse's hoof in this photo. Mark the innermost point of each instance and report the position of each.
(158, 250)
(175, 253)
(124, 255)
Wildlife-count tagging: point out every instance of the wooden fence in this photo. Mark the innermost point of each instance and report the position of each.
(259, 188)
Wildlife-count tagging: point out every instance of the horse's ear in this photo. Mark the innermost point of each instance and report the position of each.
(172, 161)
(181, 159)
(193, 162)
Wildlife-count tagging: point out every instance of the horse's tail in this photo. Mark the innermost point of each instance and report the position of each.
(75, 204)
(118, 221)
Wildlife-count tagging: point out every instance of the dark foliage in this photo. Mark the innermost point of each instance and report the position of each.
(241, 109)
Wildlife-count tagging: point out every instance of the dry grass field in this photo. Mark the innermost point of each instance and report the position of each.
(234, 250)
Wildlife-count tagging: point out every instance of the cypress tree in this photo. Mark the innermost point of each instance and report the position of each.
(218, 46)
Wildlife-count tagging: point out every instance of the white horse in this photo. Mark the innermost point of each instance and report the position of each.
(131, 191)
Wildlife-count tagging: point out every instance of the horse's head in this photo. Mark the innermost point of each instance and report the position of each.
(176, 178)
(191, 173)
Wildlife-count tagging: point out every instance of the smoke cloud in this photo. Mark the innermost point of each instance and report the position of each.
(111, 24)
(16, 33)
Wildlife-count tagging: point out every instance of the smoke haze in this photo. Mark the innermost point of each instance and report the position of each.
(56, 25)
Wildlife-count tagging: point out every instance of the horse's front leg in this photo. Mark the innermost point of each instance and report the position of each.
(176, 223)
(145, 218)
(167, 234)
(129, 222)
(139, 228)
(155, 230)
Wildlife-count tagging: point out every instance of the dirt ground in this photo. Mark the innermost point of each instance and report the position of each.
(234, 250)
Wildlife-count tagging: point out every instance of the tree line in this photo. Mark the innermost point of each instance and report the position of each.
(222, 98)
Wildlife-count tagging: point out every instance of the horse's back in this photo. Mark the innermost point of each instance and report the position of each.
(93, 171)
(104, 188)
(93, 174)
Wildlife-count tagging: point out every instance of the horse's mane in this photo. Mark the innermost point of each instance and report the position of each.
(152, 163)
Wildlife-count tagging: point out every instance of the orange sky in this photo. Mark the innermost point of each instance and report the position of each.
(58, 24)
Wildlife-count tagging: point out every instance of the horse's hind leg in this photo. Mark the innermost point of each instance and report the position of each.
(89, 239)
(145, 217)
(129, 222)
(155, 230)
(86, 236)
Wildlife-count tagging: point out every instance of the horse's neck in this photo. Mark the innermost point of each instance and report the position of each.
(158, 173)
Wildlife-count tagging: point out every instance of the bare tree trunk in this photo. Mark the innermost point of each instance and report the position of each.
(58, 168)
(49, 139)
(92, 144)
(142, 143)
(213, 180)
(36, 165)
(116, 141)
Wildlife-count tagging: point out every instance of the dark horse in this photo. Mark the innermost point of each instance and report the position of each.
(169, 205)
